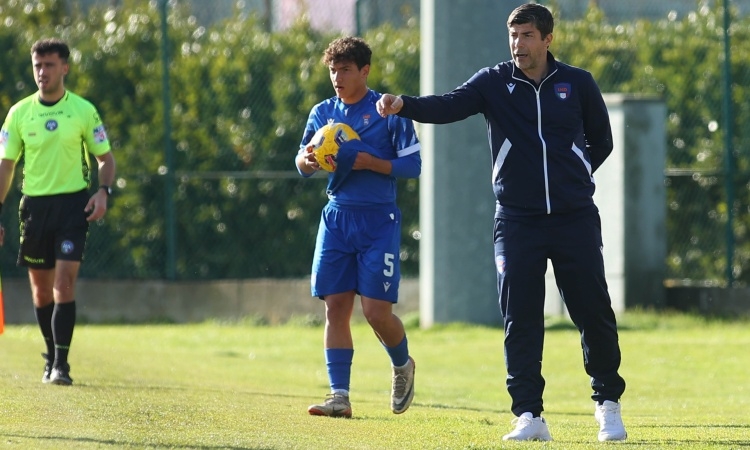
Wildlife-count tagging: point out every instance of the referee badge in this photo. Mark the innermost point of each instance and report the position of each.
(51, 125)
(67, 247)
(100, 134)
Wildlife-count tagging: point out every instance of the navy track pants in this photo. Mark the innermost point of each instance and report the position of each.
(573, 244)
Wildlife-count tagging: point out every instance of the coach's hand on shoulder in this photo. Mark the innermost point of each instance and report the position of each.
(96, 208)
(389, 104)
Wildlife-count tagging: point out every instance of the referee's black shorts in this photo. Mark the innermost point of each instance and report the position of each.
(52, 227)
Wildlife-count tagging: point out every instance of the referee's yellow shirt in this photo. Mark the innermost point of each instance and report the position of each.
(55, 142)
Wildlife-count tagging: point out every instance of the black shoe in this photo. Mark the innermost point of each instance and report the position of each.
(47, 368)
(60, 375)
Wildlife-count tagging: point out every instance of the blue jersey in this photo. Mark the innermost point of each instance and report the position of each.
(386, 138)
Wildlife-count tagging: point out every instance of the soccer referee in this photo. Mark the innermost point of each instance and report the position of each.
(54, 130)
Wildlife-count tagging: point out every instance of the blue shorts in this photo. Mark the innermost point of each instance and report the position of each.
(358, 249)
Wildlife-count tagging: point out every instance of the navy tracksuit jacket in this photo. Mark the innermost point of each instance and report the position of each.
(546, 143)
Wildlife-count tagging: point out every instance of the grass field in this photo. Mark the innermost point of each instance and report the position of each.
(244, 386)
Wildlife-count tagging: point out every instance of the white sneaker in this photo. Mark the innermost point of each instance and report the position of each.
(611, 427)
(528, 428)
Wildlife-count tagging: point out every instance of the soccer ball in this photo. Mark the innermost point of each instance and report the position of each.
(327, 140)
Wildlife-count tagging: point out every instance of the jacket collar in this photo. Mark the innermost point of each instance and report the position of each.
(551, 70)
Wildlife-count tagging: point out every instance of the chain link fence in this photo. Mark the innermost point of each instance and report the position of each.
(206, 185)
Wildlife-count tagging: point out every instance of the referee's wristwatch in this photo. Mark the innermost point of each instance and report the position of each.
(107, 189)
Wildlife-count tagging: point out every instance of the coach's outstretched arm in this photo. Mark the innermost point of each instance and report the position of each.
(458, 104)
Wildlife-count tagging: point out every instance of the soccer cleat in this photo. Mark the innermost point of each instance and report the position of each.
(335, 405)
(402, 390)
(611, 427)
(47, 369)
(528, 428)
(60, 375)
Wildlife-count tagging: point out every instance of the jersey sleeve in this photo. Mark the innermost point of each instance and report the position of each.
(11, 144)
(404, 136)
(408, 163)
(95, 135)
(314, 122)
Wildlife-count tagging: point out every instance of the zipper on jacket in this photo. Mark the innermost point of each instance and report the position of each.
(544, 147)
(537, 91)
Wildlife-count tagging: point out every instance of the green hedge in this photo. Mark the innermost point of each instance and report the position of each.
(240, 97)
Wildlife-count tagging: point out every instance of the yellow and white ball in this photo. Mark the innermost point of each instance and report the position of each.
(326, 143)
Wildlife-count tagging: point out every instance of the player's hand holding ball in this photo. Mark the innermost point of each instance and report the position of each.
(309, 157)
(327, 141)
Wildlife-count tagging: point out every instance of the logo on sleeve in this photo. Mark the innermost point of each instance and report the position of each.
(51, 125)
(511, 86)
(562, 90)
(100, 135)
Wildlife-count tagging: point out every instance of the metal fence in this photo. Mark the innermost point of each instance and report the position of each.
(234, 207)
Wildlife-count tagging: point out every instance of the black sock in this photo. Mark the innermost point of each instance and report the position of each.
(63, 322)
(44, 319)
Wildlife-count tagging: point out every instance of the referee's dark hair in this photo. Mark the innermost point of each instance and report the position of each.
(51, 45)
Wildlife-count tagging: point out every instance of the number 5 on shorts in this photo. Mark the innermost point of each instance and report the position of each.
(388, 260)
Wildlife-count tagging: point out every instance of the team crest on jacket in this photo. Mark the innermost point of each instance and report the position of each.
(562, 90)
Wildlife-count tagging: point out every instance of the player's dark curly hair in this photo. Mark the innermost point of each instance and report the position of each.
(348, 49)
(51, 45)
(537, 15)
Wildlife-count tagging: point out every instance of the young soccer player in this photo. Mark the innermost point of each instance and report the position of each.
(357, 248)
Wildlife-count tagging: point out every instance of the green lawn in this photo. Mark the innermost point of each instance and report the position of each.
(240, 386)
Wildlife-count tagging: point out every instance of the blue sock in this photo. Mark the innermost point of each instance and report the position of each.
(339, 363)
(399, 354)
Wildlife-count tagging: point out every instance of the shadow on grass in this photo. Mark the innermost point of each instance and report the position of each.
(460, 408)
(122, 444)
(656, 443)
(190, 388)
(697, 426)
